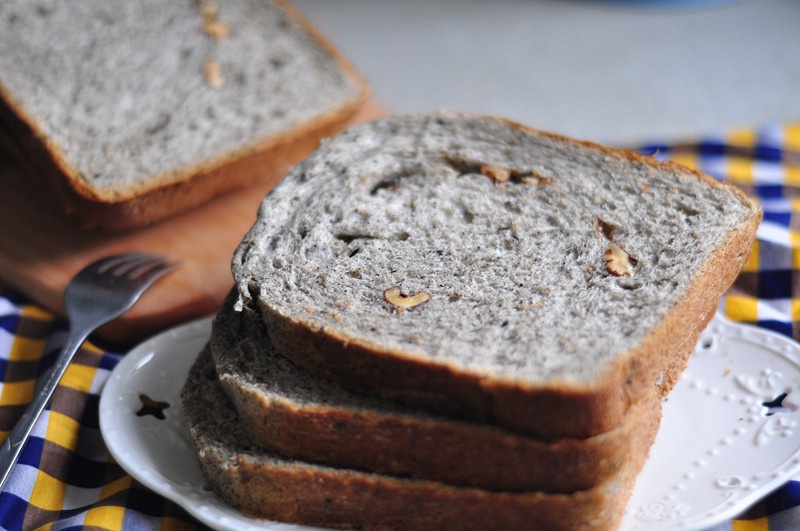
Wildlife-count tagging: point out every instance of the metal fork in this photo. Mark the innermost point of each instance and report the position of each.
(99, 293)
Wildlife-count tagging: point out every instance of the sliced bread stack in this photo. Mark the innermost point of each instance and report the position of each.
(134, 111)
(444, 321)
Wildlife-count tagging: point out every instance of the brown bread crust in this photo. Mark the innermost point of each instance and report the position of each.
(298, 492)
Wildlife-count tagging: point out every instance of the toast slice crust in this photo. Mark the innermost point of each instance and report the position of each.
(154, 108)
(284, 409)
(563, 279)
(266, 485)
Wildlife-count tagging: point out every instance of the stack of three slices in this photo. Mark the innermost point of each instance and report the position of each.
(448, 321)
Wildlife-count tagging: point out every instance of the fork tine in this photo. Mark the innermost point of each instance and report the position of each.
(148, 273)
(136, 265)
(116, 260)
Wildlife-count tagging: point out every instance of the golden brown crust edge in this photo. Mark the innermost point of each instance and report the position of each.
(352, 499)
(534, 411)
(302, 493)
(452, 452)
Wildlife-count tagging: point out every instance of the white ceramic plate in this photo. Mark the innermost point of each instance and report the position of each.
(719, 449)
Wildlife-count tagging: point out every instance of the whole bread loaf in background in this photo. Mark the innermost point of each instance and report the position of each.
(134, 111)
(480, 269)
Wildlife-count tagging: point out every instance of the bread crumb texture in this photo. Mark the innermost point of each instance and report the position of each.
(124, 90)
(507, 230)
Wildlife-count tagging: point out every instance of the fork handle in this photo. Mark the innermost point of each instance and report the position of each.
(13, 445)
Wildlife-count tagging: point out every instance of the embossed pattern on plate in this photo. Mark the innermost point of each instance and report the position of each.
(729, 434)
(728, 437)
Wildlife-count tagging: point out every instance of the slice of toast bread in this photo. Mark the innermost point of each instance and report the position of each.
(480, 269)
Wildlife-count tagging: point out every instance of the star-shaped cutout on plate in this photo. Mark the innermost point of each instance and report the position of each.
(151, 407)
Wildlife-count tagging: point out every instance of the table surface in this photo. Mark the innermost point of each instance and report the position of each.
(610, 71)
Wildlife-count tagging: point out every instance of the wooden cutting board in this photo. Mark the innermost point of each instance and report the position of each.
(41, 250)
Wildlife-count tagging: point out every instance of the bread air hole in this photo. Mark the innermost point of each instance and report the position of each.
(393, 181)
(353, 249)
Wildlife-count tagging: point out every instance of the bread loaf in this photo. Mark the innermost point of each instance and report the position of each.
(267, 485)
(293, 413)
(483, 270)
(135, 111)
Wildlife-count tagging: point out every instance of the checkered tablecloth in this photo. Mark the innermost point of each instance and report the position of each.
(67, 479)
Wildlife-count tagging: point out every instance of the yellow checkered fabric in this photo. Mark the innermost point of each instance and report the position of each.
(65, 477)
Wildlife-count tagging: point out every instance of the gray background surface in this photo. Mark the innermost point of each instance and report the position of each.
(616, 72)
